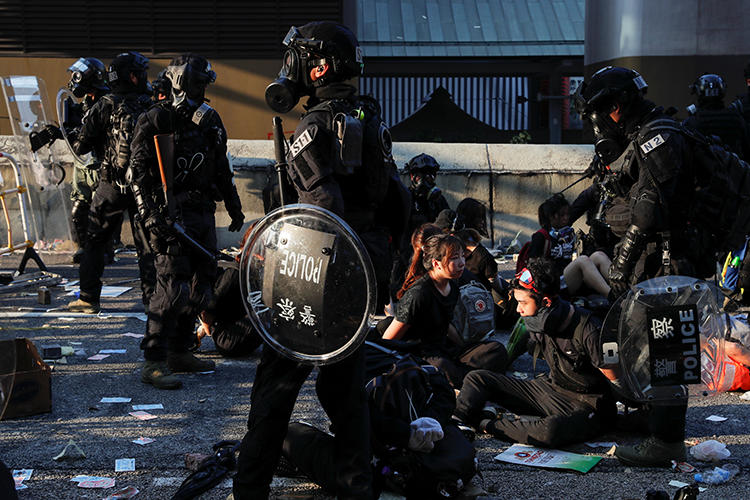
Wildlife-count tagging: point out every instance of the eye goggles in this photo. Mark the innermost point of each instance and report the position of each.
(525, 280)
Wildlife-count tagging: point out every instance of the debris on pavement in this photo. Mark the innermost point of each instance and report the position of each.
(522, 454)
(116, 400)
(142, 415)
(94, 482)
(71, 452)
(156, 406)
(97, 357)
(21, 475)
(193, 460)
(143, 440)
(123, 494)
(716, 418)
(710, 451)
(125, 465)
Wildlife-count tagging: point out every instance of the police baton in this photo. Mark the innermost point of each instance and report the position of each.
(280, 151)
(164, 144)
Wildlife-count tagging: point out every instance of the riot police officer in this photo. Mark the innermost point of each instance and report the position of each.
(107, 132)
(651, 161)
(711, 117)
(427, 199)
(200, 176)
(319, 58)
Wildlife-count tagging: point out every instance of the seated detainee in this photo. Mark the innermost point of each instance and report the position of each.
(589, 271)
(425, 309)
(555, 239)
(574, 401)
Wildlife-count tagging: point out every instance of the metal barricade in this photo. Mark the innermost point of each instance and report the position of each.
(21, 191)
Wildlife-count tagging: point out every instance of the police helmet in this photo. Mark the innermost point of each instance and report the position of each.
(422, 162)
(189, 75)
(471, 213)
(118, 73)
(87, 75)
(161, 84)
(608, 87)
(709, 87)
(330, 41)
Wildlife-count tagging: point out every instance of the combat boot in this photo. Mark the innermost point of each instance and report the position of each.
(158, 374)
(651, 452)
(82, 306)
(187, 362)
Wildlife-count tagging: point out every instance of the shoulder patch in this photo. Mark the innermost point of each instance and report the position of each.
(200, 113)
(303, 141)
(652, 144)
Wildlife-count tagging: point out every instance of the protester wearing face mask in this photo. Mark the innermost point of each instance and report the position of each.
(570, 404)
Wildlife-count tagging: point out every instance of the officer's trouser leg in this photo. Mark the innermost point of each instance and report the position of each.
(277, 383)
(107, 207)
(341, 390)
(313, 452)
(667, 422)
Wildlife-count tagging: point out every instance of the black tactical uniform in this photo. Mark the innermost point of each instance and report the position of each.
(652, 162)
(107, 132)
(710, 117)
(427, 199)
(201, 176)
(356, 188)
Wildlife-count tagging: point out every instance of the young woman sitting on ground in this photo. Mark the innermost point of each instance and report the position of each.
(589, 271)
(426, 304)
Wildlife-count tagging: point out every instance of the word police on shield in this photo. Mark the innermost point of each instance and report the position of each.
(308, 284)
(659, 334)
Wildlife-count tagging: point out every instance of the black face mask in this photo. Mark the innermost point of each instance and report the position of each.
(547, 318)
(285, 92)
(423, 186)
(610, 139)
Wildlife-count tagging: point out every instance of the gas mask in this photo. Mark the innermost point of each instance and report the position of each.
(285, 92)
(81, 72)
(423, 186)
(189, 85)
(610, 139)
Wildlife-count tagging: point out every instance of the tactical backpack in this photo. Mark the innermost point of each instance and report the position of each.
(125, 113)
(402, 387)
(719, 207)
(474, 315)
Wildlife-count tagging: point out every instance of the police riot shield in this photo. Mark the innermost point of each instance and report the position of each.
(42, 171)
(7, 376)
(667, 335)
(308, 284)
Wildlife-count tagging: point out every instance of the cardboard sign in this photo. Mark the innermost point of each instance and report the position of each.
(674, 345)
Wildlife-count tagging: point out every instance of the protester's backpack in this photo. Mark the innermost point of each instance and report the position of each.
(523, 255)
(402, 387)
(474, 315)
(719, 206)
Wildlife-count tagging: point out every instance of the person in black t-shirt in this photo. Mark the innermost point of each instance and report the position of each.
(425, 309)
(574, 402)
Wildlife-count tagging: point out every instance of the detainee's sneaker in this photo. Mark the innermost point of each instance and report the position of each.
(651, 452)
(187, 362)
(82, 306)
(158, 374)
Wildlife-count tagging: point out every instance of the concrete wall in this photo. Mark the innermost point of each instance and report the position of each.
(511, 179)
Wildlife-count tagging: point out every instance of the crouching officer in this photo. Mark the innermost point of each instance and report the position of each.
(352, 174)
(201, 176)
(107, 132)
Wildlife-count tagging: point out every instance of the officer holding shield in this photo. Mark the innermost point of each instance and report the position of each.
(341, 161)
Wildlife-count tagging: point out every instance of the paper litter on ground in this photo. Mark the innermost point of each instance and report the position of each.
(142, 415)
(125, 465)
(680, 484)
(113, 351)
(143, 441)
(522, 454)
(107, 291)
(134, 335)
(97, 357)
(123, 494)
(156, 406)
(116, 400)
(716, 418)
(21, 475)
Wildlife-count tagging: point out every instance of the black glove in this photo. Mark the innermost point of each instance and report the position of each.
(622, 266)
(157, 225)
(238, 218)
(44, 137)
(594, 168)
